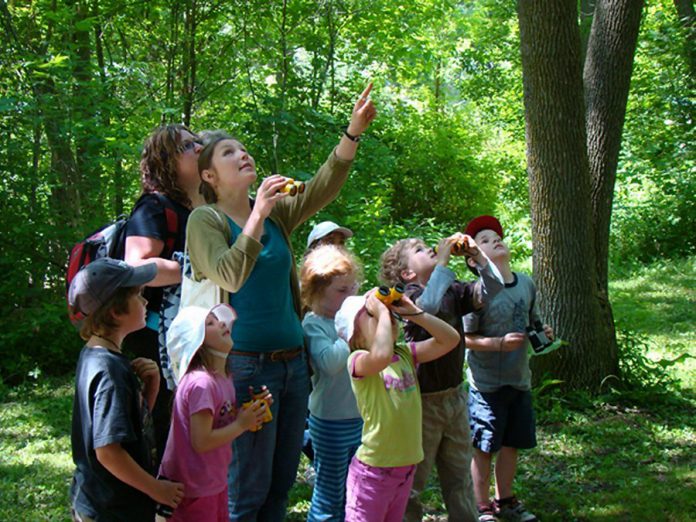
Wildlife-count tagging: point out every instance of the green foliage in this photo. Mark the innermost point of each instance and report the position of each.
(637, 372)
(82, 84)
(654, 202)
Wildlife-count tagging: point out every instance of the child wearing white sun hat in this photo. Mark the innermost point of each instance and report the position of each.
(205, 417)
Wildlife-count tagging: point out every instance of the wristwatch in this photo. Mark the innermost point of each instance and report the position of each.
(352, 138)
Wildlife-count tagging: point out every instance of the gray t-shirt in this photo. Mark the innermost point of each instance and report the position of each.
(512, 310)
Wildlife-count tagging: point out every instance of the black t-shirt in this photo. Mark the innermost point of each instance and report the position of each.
(109, 408)
(447, 371)
(149, 219)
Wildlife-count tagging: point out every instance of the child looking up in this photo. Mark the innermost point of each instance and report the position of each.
(500, 401)
(446, 438)
(205, 418)
(328, 276)
(383, 377)
(112, 439)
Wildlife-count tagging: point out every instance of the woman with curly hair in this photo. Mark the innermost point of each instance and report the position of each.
(156, 233)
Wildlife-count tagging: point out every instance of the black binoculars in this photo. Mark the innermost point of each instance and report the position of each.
(537, 337)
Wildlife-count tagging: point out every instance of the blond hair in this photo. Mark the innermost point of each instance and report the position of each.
(320, 267)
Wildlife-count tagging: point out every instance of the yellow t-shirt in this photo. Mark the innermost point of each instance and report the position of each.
(390, 405)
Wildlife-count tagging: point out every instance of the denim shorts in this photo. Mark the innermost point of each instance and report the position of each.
(504, 417)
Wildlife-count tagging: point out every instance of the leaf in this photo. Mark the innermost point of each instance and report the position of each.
(59, 60)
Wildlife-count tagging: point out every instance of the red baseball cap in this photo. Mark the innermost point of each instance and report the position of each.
(480, 223)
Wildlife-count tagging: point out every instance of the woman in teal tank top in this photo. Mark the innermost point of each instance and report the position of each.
(243, 245)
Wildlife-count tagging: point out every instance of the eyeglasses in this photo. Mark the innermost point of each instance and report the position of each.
(188, 145)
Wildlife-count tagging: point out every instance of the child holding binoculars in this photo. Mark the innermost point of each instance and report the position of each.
(433, 287)
(205, 418)
(383, 378)
(500, 398)
(329, 275)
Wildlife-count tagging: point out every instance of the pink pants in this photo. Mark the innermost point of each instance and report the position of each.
(377, 494)
(202, 509)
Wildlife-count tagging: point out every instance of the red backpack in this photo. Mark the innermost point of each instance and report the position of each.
(110, 241)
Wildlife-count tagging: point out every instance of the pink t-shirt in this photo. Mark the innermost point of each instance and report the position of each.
(202, 474)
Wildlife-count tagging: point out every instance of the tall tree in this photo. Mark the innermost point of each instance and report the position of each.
(573, 127)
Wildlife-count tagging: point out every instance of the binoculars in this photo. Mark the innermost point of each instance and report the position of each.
(457, 248)
(293, 187)
(537, 337)
(389, 295)
(267, 416)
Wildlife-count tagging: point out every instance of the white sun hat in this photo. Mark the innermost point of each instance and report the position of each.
(345, 317)
(187, 331)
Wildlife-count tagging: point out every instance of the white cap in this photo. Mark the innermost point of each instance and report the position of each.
(323, 229)
(187, 331)
(345, 317)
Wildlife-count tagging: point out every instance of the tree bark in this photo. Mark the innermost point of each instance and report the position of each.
(189, 86)
(559, 190)
(607, 78)
(687, 19)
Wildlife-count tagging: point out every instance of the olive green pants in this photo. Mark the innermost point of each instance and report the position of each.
(447, 445)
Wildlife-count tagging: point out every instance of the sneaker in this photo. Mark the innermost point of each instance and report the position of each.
(513, 510)
(486, 513)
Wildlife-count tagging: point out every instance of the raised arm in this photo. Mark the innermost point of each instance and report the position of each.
(364, 112)
(211, 256)
(444, 337)
(326, 184)
(381, 349)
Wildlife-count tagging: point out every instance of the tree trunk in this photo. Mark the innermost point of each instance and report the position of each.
(559, 190)
(189, 86)
(587, 8)
(607, 78)
(687, 18)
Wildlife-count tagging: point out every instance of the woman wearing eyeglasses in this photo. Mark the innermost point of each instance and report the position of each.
(156, 232)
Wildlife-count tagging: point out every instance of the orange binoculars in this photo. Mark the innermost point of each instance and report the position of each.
(458, 248)
(389, 295)
(293, 187)
(267, 416)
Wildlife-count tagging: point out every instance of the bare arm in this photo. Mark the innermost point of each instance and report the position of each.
(444, 337)
(508, 343)
(363, 113)
(148, 372)
(205, 438)
(121, 465)
(141, 250)
(382, 348)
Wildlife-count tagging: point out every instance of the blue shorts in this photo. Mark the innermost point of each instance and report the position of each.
(502, 418)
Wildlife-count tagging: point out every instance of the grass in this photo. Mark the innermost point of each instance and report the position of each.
(618, 457)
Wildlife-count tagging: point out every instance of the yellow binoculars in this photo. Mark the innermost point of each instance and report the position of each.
(293, 187)
(267, 416)
(389, 295)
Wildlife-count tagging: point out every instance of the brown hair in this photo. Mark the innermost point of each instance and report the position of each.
(205, 160)
(202, 360)
(394, 260)
(101, 322)
(320, 267)
(158, 162)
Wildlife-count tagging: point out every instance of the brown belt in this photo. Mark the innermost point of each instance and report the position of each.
(278, 355)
